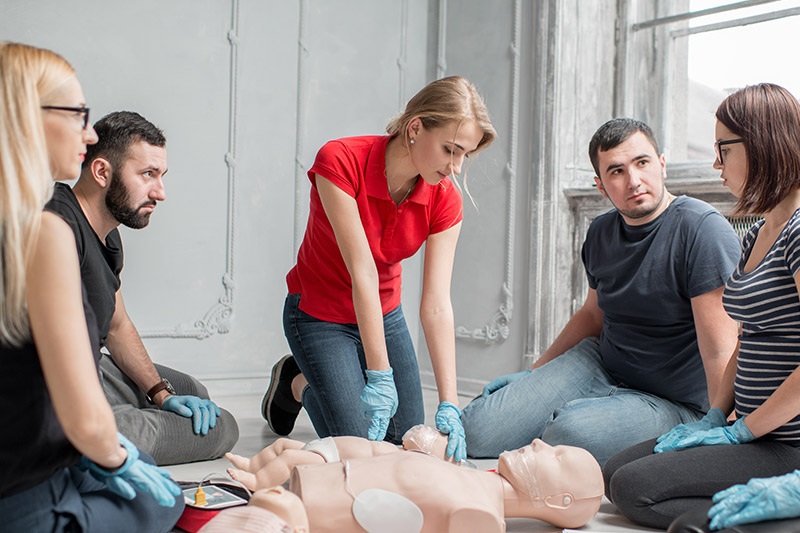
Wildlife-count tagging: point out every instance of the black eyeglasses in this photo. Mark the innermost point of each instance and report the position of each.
(718, 148)
(81, 110)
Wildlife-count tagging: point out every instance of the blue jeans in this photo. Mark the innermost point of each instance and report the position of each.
(332, 360)
(570, 400)
(72, 500)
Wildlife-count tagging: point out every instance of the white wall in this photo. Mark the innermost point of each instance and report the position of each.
(248, 90)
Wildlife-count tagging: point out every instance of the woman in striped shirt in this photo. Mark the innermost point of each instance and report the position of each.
(758, 153)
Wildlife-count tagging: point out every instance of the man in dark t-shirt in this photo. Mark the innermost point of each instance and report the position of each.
(650, 344)
(164, 412)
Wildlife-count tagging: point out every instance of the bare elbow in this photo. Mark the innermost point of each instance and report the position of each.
(85, 430)
(431, 311)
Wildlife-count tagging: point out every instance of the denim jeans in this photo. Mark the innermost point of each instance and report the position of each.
(570, 400)
(332, 360)
(72, 500)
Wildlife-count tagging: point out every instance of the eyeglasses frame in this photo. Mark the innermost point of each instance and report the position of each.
(84, 110)
(718, 147)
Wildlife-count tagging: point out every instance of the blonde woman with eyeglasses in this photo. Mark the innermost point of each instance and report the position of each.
(63, 466)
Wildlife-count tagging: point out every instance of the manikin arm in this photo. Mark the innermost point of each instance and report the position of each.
(273, 465)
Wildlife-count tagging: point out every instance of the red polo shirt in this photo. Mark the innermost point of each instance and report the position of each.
(357, 166)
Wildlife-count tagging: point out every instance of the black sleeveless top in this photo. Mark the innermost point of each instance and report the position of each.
(33, 446)
(101, 262)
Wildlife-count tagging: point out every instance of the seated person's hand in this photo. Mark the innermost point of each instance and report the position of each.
(448, 421)
(502, 381)
(136, 473)
(714, 418)
(378, 402)
(761, 499)
(203, 413)
(736, 433)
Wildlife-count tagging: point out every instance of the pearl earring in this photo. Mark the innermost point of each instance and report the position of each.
(411, 141)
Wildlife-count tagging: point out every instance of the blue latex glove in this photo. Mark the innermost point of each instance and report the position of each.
(737, 433)
(203, 413)
(134, 472)
(714, 418)
(502, 381)
(448, 421)
(761, 499)
(378, 402)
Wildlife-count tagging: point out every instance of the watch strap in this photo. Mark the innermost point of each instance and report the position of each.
(158, 387)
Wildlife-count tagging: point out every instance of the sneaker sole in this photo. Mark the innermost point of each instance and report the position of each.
(272, 389)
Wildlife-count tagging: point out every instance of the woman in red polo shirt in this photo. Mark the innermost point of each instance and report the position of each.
(374, 201)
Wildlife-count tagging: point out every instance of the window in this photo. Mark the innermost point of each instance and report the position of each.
(680, 65)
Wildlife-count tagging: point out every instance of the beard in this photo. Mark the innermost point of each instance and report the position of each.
(118, 204)
(645, 209)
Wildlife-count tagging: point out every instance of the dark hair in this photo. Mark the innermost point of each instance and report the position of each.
(615, 132)
(116, 132)
(767, 117)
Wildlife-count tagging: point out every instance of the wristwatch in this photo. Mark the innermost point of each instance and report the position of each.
(164, 384)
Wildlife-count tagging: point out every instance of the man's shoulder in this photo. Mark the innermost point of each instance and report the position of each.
(693, 208)
(696, 218)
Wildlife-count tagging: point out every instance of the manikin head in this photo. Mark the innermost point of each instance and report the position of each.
(128, 162)
(283, 503)
(562, 485)
(428, 440)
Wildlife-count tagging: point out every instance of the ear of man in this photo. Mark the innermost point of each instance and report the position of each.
(100, 172)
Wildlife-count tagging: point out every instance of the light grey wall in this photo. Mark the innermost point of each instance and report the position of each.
(248, 90)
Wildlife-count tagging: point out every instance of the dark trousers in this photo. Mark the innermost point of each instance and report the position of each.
(654, 489)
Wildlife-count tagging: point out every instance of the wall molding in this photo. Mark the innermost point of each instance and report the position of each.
(299, 170)
(219, 317)
(498, 327)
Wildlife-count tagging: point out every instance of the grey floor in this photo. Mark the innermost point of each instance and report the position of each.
(254, 434)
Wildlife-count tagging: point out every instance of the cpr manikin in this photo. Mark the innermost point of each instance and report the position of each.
(273, 510)
(409, 491)
(561, 485)
(272, 465)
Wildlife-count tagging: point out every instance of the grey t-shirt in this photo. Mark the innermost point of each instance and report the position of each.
(645, 277)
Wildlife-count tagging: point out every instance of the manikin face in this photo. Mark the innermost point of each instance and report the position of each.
(64, 133)
(548, 473)
(632, 177)
(734, 160)
(135, 189)
(283, 503)
(440, 152)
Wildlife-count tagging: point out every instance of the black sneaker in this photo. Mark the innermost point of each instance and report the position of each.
(279, 408)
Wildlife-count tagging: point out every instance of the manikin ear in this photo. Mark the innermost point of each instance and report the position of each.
(559, 501)
(600, 188)
(100, 170)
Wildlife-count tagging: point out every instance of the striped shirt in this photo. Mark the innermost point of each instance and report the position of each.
(765, 300)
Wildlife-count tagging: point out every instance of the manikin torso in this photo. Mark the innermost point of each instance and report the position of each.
(451, 498)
